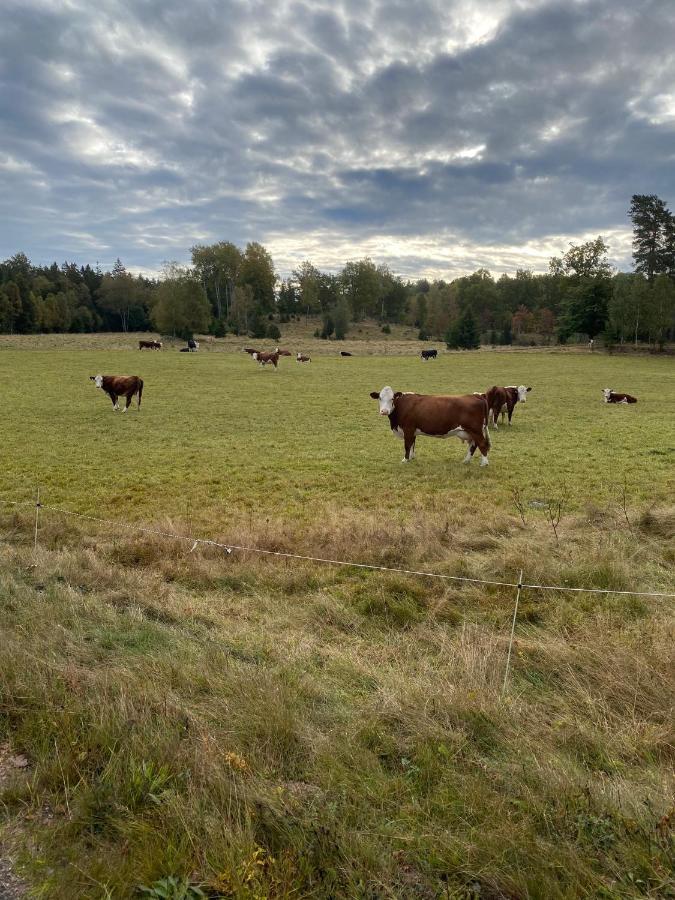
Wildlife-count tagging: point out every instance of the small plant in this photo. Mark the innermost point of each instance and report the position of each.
(554, 510)
(519, 503)
(147, 784)
(172, 888)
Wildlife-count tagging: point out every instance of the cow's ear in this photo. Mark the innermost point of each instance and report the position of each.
(398, 394)
(92, 378)
(375, 395)
(529, 389)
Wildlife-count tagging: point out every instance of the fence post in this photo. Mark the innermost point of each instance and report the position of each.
(38, 506)
(513, 628)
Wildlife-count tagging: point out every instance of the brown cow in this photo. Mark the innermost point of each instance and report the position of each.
(301, 358)
(614, 397)
(116, 386)
(250, 350)
(410, 415)
(283, 352)
(503, 400)
(149, 345)
(264, 358)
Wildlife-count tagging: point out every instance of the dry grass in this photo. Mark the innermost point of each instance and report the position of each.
(274, 729)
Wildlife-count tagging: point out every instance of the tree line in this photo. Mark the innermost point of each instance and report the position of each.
(231, 290)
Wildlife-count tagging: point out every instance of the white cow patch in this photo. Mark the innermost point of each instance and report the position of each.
(98, 381)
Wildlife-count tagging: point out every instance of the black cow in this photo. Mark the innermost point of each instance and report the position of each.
(429, 354)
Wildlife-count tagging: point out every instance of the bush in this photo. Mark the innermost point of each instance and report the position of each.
(218, 328)
(273, 332)
(386, 329)
(422, 336)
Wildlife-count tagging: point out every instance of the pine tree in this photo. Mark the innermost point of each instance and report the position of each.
(653, 232)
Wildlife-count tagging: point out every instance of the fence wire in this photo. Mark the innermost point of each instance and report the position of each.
(229, 548)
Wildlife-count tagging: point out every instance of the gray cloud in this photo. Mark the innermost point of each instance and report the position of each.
(435, 135)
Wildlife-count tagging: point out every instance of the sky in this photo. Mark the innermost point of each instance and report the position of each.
(434, 136)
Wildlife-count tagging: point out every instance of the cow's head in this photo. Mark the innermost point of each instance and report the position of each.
(386, 397)
(97, 379)
(522, 393)
(606, 392)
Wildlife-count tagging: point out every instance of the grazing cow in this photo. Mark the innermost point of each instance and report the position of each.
(264, 358)
(410, 415)
(116, 386)
(345, 353)
(429, 354)
(503, 400)
(283, 352)
(301, 358)
(149, 345)
(614, 397)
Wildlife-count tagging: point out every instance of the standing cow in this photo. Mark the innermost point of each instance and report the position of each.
(264, 358)
(410, 415)
(301, 358)
(116, 386)
(503, 400)
(429, 354)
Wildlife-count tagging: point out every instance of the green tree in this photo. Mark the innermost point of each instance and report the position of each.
(463, 334)
(118, 293)
(308, 279)
(257, 271)
(652, 235)
(361, 285)
(660, 312)
(341, 320)
(584, 260)
(218, 267)
(180, 305)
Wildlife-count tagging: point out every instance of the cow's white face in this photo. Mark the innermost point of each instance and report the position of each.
(98, 380)
(255, 356)
(522, 392)
(386, 399)
(606, 394)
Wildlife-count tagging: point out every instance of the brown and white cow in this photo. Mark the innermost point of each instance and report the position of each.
(116, 386)
(301, 358)
(503, 400)
(264, 358)
(149, 345)
(411, 415)
(250, 350)
(615, 397)
(283, 352)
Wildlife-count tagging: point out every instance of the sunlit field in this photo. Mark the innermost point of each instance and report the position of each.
(259, 727)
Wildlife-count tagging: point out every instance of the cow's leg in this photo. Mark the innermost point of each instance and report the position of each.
(113, 398)
(129, 399)
(511, 407)
(483, 444)
(470, 452)
(409, 443)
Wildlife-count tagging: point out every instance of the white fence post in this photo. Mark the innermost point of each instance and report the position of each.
(513, 628)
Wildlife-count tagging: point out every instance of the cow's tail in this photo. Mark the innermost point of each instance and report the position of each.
(486, 430)
(140, 391)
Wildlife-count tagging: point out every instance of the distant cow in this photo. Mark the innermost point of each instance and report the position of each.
(149, 345)
(429, 354)
(614, 397)
(116, 386)
(410, 415)
(345, 353)
(503, 400)
(250, 350)
(193, 345)
(301, 358)
(283, 352)
(264, 358)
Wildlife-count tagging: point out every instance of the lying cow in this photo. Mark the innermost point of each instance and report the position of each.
(250, 350)
(429, 354)
(283, 352)
(614, 397)
(264, 358)
(503, 400)
(345, 353)
(116, 386)
(410, 415)
(301, 358)
(149, 345)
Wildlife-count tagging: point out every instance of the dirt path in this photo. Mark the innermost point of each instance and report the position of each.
(11, 886)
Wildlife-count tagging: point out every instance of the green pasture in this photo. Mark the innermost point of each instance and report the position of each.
(218, 438)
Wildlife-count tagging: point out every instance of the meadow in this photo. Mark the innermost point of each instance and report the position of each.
(254, 727)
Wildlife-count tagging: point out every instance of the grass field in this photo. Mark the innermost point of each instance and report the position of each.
(269, 728)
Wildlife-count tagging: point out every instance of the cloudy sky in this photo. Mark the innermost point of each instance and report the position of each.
(436, 136)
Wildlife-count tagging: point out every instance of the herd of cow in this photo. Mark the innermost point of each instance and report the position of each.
(467, 417)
